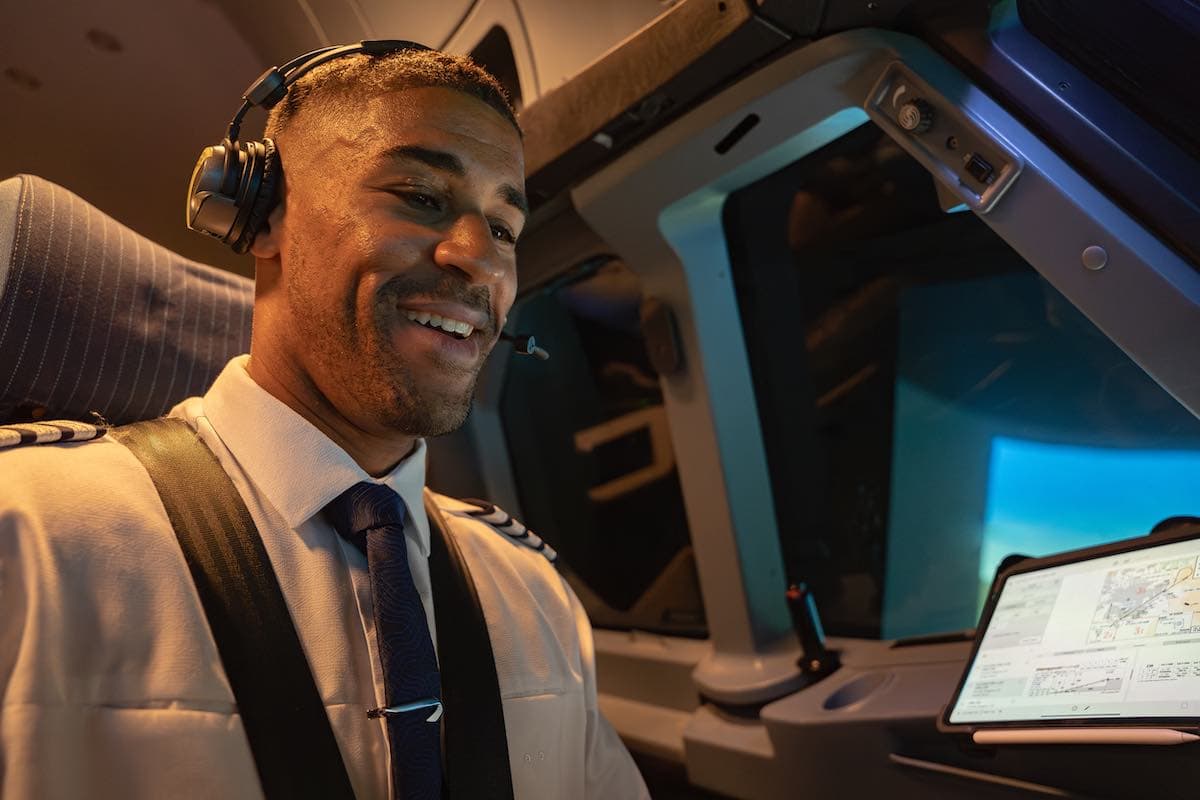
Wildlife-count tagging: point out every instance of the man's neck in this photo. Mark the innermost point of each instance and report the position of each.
(377, 455)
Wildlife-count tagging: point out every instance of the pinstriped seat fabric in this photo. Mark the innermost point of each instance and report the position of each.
(96, 319)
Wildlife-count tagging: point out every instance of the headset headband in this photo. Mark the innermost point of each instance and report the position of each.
(233, 185)
(270, 87)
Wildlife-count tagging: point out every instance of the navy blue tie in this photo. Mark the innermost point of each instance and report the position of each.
(371, 517)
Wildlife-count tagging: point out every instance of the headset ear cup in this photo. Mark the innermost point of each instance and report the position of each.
(263, 200)
(231, 172)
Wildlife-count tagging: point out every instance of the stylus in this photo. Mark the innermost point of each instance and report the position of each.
(1085, 736)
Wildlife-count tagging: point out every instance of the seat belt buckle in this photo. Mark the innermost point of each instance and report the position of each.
(405, 708)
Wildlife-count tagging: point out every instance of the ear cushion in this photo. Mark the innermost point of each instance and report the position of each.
(264, 199)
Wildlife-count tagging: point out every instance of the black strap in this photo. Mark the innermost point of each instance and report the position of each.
(281, 709)
(476, 742)
(285, 721)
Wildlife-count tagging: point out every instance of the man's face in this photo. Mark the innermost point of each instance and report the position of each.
(397, 255)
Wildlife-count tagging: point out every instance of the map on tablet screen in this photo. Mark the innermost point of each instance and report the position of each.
(1111, 638)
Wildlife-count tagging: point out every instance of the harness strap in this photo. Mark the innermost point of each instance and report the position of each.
(290, 738)
(476, 744)
(294, 748)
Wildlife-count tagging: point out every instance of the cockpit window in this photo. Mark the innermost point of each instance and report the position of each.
(592, 458)
(929, 403)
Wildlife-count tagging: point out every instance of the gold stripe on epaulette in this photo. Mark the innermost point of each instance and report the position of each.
(501, 521)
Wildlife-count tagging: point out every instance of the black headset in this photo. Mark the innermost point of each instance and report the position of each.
(233, 186)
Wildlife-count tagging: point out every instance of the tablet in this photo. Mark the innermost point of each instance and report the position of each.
(1102, 638)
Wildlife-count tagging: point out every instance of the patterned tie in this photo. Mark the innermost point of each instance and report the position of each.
(371, 517)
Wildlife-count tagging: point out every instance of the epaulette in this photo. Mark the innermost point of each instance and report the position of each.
(59, 430)
(503, 522)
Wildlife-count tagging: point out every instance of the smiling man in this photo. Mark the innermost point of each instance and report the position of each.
(380, 292)
(384, 273)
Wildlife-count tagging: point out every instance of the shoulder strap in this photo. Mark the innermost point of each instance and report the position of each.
(477, 763)
(280, 707)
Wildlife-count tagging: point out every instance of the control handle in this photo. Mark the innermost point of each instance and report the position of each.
(817, 660)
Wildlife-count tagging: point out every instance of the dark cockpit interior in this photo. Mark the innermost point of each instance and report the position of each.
(871, 299)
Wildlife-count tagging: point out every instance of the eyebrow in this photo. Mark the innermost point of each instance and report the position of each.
(448, 162)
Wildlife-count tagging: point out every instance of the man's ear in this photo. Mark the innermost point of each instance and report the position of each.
(266, 243)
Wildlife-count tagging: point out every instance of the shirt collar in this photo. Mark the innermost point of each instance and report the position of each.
(298, 468)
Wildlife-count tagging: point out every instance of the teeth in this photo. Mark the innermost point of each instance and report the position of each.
(459, 327)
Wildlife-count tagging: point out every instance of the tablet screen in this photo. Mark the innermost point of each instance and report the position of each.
(1110, 638)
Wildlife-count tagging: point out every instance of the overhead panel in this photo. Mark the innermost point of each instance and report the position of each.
(633, 89)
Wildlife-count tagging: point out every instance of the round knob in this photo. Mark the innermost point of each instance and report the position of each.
(915, 116)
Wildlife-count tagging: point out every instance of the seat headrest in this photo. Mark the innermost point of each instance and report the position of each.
(95, 318)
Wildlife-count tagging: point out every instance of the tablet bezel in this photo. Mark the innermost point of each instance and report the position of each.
(1186, 723)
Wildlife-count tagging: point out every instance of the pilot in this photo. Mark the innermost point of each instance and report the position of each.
(383, 275)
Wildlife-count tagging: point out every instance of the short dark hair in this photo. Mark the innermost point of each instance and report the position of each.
(362, 76)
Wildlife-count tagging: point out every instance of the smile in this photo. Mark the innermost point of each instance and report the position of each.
(454, 327)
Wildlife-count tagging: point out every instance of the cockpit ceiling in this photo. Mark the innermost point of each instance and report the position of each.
(114, 101)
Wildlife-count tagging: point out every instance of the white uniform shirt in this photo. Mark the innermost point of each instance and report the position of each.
(111, 682)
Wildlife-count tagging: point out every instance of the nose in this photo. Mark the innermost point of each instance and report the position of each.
(468, 248)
